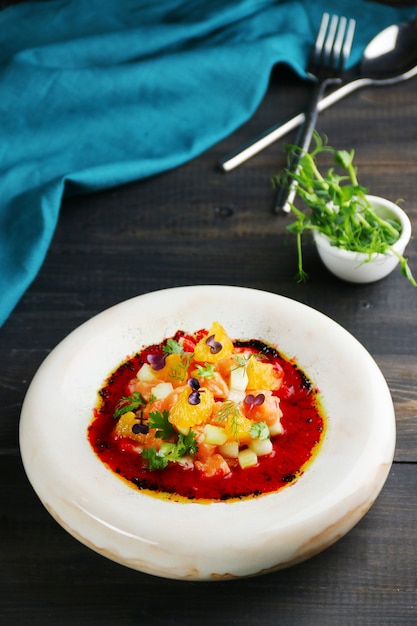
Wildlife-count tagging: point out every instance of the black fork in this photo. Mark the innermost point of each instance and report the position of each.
(331, 51)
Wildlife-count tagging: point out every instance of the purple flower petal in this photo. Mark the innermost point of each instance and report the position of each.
(156, 360)
(215, 346)
(142, 429)
(194, 398)
(254, 400)
(194, 383)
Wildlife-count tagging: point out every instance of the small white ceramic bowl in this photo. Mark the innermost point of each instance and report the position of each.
(195, 541)
(356, 267)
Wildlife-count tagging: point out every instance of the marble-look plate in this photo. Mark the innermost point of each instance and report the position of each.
(220, 540)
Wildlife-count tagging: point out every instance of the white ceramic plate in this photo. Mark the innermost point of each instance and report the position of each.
(219, 540)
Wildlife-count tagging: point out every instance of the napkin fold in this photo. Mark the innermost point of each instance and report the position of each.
(99, 93)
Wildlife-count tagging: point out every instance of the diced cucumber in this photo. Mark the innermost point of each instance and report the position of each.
(247, 458)
(235, 395)
(261, 446)
(276, 428)
(238, 379)
(230, 449)
(146, 374)
(162, 390)
(215, 435)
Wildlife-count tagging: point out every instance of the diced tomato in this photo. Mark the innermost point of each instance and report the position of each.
(188, 343)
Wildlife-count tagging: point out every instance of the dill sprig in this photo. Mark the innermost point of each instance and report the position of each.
(179, 371)
(230, 414)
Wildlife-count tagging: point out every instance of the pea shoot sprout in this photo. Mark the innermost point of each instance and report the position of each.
(339, 207)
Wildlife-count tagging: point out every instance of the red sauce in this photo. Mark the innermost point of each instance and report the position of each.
(302, 420)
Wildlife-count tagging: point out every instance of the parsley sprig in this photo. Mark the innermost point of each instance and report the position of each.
(339, 207)
(175, 446)
(160, 421)
(172, 347)
(129, 403)
(205, 371)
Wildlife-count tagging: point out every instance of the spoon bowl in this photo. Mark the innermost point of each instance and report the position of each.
(392, 53)
(388, 59)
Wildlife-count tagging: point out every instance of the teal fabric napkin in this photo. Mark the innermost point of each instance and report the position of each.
(96, 93)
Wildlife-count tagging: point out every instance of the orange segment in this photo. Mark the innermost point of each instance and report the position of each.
(230, 417)
(175, 369)
(184, 415)
(262, 375)
(124, 429)
(204, 352)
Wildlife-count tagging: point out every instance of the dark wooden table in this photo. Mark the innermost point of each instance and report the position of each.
(195, 225)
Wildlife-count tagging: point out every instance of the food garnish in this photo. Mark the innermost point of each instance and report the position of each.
(169, 451)
(128, 403)
(202, 416)
(338, 206)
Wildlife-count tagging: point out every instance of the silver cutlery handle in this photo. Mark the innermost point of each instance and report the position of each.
(272, 134)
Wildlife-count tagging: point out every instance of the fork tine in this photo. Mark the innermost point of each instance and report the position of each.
(334, 41)
(347, 46)
(319, 43)
(338, 43)
(329, 43)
